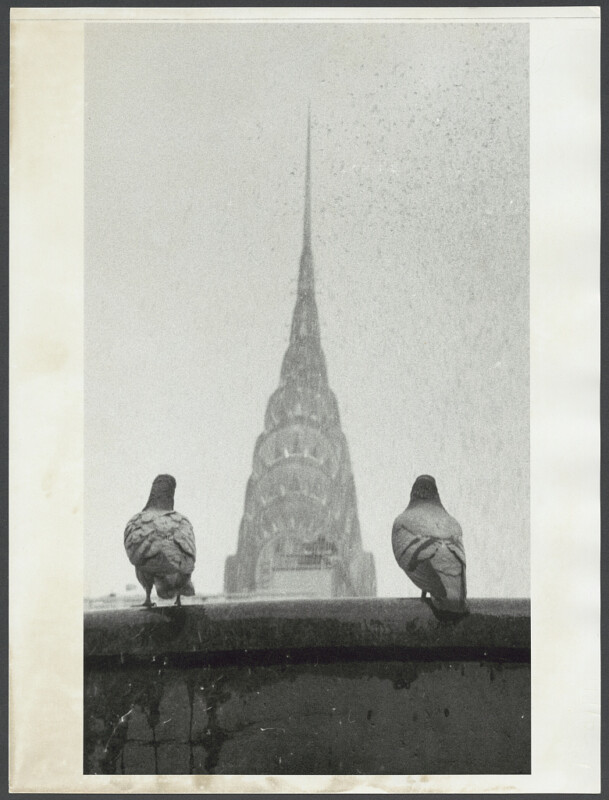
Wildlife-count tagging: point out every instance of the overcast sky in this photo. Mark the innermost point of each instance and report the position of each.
(195, 148)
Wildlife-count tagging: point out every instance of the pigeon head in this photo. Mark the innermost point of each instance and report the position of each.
(162, 492)
(424, 488)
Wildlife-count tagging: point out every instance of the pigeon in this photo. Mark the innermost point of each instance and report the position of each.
(428, 546)
(160, 543)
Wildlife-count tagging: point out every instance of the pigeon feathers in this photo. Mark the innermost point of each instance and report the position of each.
(160, 543)
(428, 546)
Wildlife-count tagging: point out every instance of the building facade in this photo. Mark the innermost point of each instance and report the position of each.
(300, 534)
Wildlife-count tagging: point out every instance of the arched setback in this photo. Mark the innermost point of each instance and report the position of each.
(296, 440)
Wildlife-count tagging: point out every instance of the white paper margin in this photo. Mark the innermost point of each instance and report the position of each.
(46, 405)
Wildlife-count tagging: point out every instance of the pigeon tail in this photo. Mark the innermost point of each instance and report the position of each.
(168, 586)
(450, 605)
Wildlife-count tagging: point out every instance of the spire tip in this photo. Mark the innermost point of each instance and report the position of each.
(307, 214)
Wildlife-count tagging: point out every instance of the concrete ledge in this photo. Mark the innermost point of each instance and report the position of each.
(250, 627)
(308, 687)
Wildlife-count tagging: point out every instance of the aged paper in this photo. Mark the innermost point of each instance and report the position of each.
(46, 424)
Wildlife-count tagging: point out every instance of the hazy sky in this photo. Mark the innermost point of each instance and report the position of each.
(195, 147)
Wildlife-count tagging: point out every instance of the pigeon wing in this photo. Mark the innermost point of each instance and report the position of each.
(457, 549)
(416, 522)
(446, 561)
(413, 550)
(178, 543)
(184, 535)
(426, 578)
(451, 571)
(411, 537)
(428, 546)
(141, 538)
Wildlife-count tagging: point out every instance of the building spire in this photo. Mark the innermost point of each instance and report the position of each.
(300, 508)
(307, 208)
(305, 323)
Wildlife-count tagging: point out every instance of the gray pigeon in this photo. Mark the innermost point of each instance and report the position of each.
(428, 546)
(160, 544)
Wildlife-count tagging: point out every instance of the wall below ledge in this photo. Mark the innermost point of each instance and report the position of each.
(358, 686)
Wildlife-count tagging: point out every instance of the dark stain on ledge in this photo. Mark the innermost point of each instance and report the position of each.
(274, 710)
(313, 655)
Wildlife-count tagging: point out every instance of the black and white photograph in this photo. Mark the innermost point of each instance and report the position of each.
(306, 315)
(309, 347)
